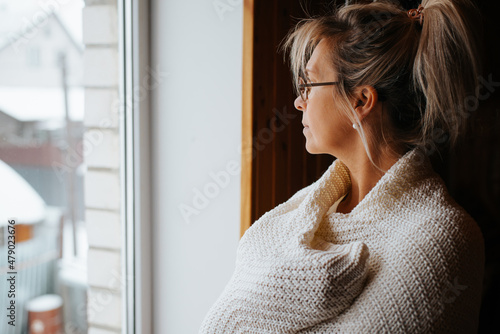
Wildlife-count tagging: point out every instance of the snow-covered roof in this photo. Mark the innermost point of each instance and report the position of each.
(19, 200)
(20, 17)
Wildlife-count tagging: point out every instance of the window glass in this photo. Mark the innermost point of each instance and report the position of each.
(42, 167)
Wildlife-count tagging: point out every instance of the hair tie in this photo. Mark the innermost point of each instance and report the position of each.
(417, 14)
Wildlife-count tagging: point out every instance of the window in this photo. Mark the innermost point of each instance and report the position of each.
(70, 134)
(42, 167)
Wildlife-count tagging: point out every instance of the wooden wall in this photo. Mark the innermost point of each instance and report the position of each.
(275, 162)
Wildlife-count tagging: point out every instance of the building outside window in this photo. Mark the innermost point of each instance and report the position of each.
(42, 165)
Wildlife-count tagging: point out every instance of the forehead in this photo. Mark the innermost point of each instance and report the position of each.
(320, 60)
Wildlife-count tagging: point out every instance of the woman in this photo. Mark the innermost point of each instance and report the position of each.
(376, 245)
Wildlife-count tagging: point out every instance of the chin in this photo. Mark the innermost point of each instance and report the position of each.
(312, 149)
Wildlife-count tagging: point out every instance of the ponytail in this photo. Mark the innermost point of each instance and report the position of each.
(446, 67)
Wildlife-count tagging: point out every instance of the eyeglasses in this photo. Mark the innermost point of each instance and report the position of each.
(305, 88)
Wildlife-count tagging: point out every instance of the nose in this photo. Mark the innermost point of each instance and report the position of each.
(299, 103)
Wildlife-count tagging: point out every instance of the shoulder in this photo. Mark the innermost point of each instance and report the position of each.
(446, 247)
(415, 204)
(430, 203)
(429, 207)
(441, 236)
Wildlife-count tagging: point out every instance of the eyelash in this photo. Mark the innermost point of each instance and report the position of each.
(306, 90)
(303, 90)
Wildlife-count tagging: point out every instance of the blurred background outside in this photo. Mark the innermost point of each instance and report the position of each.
(41, 161)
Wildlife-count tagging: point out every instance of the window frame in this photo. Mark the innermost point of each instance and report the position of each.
(135, 175)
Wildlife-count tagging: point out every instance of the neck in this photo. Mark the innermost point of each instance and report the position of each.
(364, 175)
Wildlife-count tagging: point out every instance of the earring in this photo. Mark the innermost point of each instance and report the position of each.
(354, 126)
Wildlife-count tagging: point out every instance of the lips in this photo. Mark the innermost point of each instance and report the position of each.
(306, 128)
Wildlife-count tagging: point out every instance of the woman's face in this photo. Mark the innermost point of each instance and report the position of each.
(326, 128)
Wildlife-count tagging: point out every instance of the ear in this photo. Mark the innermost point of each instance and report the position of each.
(366, 99)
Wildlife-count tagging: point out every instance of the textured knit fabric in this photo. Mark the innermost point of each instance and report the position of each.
(406, 259)
(333, 208)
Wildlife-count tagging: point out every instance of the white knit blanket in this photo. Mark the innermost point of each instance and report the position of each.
(407, 259)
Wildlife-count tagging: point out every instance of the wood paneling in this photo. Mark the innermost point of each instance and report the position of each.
(275, 163)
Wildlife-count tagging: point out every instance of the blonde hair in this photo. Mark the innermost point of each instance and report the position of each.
(422, 73)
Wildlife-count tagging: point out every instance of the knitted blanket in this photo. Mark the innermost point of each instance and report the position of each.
(407, 259)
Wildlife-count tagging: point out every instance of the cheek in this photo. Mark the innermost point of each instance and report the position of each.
(334, 128)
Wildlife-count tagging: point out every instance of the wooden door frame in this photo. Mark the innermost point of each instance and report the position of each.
(247, 116)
